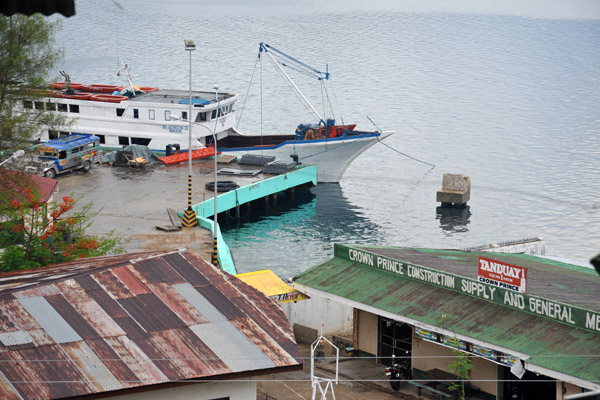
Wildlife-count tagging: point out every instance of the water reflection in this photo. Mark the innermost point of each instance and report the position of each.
(296, 231)
(453, 219)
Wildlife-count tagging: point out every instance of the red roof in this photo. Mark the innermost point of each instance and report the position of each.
(13, 183)
(114, 323)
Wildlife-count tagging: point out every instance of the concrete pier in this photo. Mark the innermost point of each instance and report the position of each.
(131, 202)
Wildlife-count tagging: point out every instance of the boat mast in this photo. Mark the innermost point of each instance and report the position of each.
(265, 48)
(128, 75)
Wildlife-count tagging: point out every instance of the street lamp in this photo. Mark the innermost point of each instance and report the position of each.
(16, 154)
(189, 216)
(215, 256)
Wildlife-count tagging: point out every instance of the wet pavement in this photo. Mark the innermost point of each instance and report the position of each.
(132, 201)
(358, 379)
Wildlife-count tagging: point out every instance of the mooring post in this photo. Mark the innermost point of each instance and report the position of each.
(456, 190)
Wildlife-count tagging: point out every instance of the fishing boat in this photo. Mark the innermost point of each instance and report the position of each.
(330, 146)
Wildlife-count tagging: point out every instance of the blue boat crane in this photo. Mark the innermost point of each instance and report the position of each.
(304, 68)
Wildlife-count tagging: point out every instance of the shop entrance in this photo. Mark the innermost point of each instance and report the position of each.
(393, 338)
(530, 387)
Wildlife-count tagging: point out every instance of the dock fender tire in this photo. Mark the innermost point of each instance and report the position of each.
(222, 186)
(86, 165)
(50, 173)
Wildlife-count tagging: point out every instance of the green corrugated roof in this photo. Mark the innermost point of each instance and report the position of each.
(553, 345)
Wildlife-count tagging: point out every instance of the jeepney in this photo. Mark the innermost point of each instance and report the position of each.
(67, 153)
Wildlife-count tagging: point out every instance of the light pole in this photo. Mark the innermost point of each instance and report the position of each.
(189, 216)
(16, 154)
(215, 255)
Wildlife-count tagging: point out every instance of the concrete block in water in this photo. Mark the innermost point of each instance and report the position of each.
(456, 189)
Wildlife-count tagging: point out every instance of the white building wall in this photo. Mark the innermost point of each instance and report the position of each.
(199, 391)
(336, 317)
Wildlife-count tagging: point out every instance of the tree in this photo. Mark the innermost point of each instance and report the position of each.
(27, 56)
(461, 366)
(34, 234)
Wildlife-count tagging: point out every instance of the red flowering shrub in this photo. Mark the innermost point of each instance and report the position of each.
(39, 235)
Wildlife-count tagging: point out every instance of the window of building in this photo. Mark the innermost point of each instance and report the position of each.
(136, 113)
(61, 107)
(74, 108)
(28, 104)
(123, 141)
(102, 138)
(50, 106)
(151, 114)
(39, 105)
(120, 112)
(53, 135)
(184, 115)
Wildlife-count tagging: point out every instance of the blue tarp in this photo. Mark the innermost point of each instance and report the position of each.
(195, 101)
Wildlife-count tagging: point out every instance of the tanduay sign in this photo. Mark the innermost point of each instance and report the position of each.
(503, 275)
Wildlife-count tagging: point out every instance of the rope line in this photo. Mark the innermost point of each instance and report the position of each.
(406, 155)
(247, 91)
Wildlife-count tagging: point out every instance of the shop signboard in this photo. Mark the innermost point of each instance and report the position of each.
(503, 275)
(462, 345)
(557, 311)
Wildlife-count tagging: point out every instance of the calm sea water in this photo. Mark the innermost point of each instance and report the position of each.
(509, 100)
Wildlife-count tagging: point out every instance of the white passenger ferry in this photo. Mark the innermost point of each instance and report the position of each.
(121, 116)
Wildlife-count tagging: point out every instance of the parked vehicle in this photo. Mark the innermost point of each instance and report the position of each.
(67, 153)
(398, 372)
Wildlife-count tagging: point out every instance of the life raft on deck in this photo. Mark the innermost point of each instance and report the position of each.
(146, 89)
(62, 85)
(110, 98)
(102, 88)
(76, 96)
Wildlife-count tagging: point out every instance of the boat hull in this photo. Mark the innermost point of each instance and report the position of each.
(331, 156)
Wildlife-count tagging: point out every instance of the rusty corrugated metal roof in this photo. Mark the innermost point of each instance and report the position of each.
(113, 323)
(557, 346)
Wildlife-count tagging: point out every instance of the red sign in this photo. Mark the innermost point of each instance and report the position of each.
(506, 276)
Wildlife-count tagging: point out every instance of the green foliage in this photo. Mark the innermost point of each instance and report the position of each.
(35, 234)
(461, 366)
(27, 56)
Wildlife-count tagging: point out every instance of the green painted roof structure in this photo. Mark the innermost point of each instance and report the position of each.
(550, 343)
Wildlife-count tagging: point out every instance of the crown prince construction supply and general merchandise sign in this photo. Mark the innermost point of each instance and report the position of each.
(507, 276)
(571, 315)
